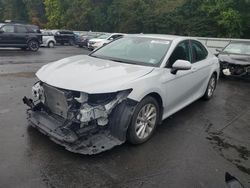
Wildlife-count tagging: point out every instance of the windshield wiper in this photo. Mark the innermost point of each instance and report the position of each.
(115, 60)
(122, 61)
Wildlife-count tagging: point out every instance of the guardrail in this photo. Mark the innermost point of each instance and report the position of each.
(218, 43)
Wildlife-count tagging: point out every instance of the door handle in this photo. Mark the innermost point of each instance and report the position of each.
(194, 69)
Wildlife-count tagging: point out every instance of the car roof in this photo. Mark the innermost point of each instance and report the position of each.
(117, 33)
(162, 36)
(64, 30)
(21, 24)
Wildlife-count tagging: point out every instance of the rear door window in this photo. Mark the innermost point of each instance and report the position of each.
(199, 52)
(21, 29)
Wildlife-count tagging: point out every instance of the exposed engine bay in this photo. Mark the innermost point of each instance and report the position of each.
(230, 69)
(82, 123)
(234, 64)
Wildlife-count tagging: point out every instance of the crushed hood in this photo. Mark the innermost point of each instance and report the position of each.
(235, 59)
(91, 75)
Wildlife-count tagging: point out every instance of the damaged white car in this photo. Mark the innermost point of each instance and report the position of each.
(91, 103)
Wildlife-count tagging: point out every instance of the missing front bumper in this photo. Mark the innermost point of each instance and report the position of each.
(229, 69)
(90, 141)
(88, 145)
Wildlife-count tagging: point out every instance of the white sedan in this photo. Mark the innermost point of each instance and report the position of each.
(122, 91)
(103, 40)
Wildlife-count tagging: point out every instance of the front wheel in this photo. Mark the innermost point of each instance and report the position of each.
(33, 45)
(210, 88)
(144, 121)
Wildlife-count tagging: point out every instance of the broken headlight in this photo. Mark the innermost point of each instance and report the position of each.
(95, 99)
(38, 92)
(99, 106)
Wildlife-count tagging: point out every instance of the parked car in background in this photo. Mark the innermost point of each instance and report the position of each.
(235, 59)
(35, 28)
(84, 39)
(77, 38)
(48, 39)
(20, 36)
(64, 36)
(122, 91)
(102, 40)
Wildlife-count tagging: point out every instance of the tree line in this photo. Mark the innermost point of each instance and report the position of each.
(208, 18)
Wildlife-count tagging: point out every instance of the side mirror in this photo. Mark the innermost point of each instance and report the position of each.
(181, 65)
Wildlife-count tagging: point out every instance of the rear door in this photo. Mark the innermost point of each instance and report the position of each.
(201, 66)
(7, 36)
(22, 34)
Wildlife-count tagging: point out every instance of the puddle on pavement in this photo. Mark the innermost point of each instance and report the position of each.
(236, 154)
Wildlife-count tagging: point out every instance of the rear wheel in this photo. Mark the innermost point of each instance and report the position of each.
(211, 87)
(51, 44)
(33, 45)
(144, 121)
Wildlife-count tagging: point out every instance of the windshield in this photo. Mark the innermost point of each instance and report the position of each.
(238, 48)
(104, 36)
(135, 50)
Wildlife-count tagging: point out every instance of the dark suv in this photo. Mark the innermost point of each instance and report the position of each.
(20, 36)
(64, 36)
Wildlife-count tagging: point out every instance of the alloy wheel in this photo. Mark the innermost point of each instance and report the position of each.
(33, 46)
(146, 121)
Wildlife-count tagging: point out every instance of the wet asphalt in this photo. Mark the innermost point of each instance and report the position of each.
(193, 148)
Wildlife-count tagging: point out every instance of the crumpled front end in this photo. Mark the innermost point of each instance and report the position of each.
(234, 65)
(231, 69)
(82, 123)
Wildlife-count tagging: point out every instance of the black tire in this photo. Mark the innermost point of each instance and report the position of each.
(33, 45)
(210, 89)
(51, 44)
(132, 136)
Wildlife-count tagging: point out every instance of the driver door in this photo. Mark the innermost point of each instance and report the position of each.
(179, 87)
